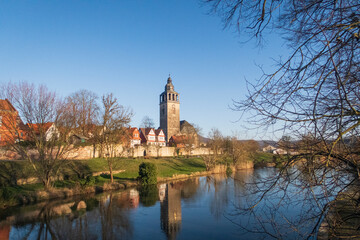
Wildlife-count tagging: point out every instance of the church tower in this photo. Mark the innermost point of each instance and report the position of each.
(169, 110)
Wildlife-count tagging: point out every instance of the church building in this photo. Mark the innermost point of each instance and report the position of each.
(170, 117)
(170, 110)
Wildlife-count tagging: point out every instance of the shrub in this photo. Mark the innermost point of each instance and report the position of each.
(149, 194)
(228, 171)
(7, 193)
(147, 174)
(90, 180)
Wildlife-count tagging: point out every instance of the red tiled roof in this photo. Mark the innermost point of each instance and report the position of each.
(179, 139)
(146, 131)
(36, 127)
(6, 105)
(131, 133)
(132, 129)
(158, 131)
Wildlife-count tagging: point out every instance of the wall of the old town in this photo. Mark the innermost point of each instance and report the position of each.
(88, 152)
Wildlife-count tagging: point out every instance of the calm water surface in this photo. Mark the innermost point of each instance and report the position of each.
(200, 208)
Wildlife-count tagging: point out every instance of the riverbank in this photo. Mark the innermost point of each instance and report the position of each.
(126, 176)
(342, 219)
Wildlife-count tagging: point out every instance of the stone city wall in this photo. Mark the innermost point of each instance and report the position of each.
(88, 152)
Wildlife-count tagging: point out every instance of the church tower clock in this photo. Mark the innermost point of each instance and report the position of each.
(169, 110)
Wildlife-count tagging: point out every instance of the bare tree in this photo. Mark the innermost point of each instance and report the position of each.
(216, 144)
(216, 141)
(147, 122)
(85, 111)
(312, 93)
(240, 151)
(114, 121)
(38, 106)
(316, 88)
(190, 137)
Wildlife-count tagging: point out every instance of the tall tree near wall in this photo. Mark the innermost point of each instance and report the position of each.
(190, 137)
(85, 108)
(216, 145)
(114, 122)
(37, 106)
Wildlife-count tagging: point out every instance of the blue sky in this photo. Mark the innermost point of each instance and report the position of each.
(129, 48)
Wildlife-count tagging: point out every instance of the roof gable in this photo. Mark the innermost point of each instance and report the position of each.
(147, 131)
(151, 132)
(36, 127)
(6, 105)
(159, 132)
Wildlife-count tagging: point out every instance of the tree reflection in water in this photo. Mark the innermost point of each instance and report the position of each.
(281, 205)
(208, 207)
(114, 217)
(109, 219)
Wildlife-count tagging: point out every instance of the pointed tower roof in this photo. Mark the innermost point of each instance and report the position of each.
(169, 86)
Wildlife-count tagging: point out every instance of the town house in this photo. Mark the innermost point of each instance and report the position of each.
(12, 129)
(134, 136)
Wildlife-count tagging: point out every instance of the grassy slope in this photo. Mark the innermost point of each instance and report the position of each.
(166, 167)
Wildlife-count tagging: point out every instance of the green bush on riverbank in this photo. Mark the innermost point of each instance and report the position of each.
(147, 173)
(82, 171)
(79, 174)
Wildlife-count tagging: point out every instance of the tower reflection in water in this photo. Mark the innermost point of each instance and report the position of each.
(170, 202)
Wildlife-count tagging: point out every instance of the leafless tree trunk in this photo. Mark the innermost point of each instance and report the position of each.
(114, 121)
(85, 109)
(38, 107)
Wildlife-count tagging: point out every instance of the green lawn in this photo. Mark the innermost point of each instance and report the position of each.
(166, 167)
(260, 159)
(79, 173)
(75, 169)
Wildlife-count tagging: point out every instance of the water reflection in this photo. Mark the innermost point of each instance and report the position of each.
(104, 217)
(170, 209)
(114, 216)
(215, 207)
(5, 232)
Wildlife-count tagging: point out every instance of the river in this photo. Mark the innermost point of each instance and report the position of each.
(210, 207)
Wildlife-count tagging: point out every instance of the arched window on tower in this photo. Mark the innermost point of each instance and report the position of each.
(173, 97)
(177, 98)
(169, 96)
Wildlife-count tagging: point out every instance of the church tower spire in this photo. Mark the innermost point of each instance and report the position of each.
(170, 110)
